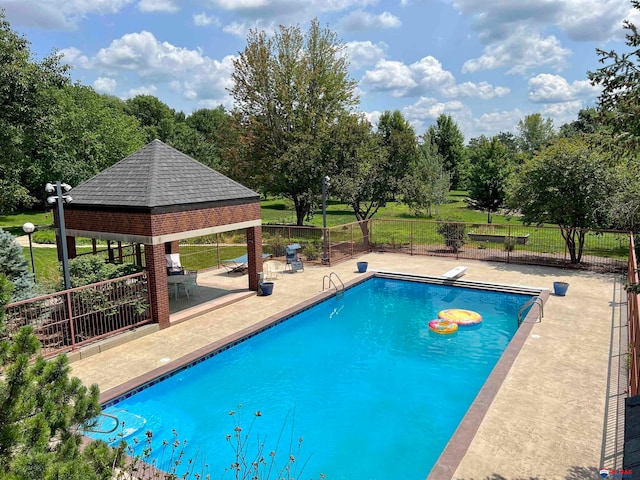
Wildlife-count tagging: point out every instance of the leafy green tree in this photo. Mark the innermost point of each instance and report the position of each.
(26, 113)
(90, 133)
(430, 183)
(566, 183)
(156, 118)
(450, 142)
(619, 101)
(534, 133)
(360, 179)
(290, 90)
(587, 123)
(490, 171)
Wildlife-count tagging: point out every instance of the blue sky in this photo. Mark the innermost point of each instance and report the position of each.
(487, 63)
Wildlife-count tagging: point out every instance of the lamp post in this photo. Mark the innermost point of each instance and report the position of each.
(29, 228)
(325, 249)
(60, 199)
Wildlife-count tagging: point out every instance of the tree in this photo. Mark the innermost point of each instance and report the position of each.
(450, 142)
(156, 118)
(14, 267)
(619, 101)
(89, 133)
(363, 181)
(26, 113)
(490, 170)
(566, 183)
(430, 183)
(587, 123)
(289, 91)
(41, 407)
(534, 133)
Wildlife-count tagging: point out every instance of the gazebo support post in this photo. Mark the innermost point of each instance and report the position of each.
(157, 282)
(254, 254)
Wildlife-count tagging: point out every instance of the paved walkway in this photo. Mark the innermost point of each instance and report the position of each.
(547, 419)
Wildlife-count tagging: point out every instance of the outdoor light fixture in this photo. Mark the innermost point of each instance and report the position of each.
(29, 228)
(325, 249)
(61, 199)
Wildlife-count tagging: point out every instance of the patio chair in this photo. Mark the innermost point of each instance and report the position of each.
(239, 264)
(293, 262)
(190, 283)
(273, 268)
(173, 264)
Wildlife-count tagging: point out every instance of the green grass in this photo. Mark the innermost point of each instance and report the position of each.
(281, 211)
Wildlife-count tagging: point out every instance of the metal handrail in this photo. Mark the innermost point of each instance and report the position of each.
(108, 415)
(528, 303)
(329, 278)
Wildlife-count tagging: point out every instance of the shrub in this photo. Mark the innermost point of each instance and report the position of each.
(311, 251)
(453, 232)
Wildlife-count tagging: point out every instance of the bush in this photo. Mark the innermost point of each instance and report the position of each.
(454, 234)
(311, 251)
(89, 269)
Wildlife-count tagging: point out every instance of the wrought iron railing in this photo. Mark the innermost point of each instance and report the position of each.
(64, 321)
(633, 323)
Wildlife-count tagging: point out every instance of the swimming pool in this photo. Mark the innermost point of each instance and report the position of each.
(373, 392)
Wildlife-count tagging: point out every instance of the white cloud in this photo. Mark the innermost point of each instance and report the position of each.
(56, 15)
(240, 4)
(523, 50)
(189, 72)
(143, 53)
(142, 90)
(158, 6)
(482, 90)
(546, 88)
(425, 76)
(360, 20)
(104, 85)
(562, 113)
(580, 19)
(364, 53)
(202, 20)
(74, 56)
(489, 124)
(390, 76)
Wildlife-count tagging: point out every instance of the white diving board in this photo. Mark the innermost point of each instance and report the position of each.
(454, 273)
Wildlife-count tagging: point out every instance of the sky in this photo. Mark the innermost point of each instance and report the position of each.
(487, 63)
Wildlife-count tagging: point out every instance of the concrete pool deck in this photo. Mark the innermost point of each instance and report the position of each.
(548, 418)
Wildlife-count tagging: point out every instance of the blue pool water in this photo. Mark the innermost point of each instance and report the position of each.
(374, 393)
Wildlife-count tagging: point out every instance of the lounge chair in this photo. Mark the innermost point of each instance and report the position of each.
(239, 264)
(293, 262)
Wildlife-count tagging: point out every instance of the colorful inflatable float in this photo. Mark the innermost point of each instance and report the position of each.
(443, 326)
(462, 318)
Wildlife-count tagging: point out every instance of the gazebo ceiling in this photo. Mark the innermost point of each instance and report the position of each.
(156, 179)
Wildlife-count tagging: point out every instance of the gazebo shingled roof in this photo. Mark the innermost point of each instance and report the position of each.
(155, 178)
(158, 196)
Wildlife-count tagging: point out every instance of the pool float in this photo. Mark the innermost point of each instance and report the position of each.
(460, 317)
(443, 326)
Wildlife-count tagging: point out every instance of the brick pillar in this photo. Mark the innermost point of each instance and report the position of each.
(254, 252)
(172, 247)
(157, 278)
(71, 247)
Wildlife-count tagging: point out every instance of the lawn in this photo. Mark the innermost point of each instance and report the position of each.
(281, 211)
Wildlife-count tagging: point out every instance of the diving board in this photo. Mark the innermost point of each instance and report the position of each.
(454, 273)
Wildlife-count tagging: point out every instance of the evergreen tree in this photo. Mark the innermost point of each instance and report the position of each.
(14, 267)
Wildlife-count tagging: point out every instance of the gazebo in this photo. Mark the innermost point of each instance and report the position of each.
(158, 196)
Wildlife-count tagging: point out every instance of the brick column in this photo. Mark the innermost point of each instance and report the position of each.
(71, 247)
(172, 247)
(157, 278)
(254, 252)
